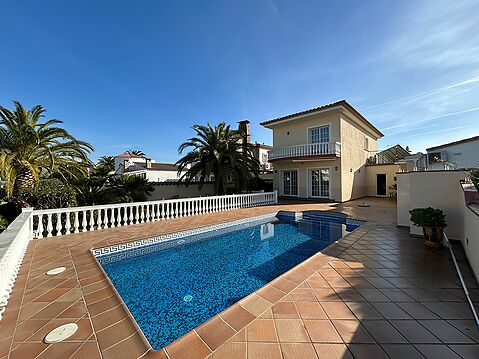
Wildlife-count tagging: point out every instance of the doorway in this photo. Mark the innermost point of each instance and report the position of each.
(381, 184)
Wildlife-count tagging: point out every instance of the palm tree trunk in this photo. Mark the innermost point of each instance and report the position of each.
(24, 181)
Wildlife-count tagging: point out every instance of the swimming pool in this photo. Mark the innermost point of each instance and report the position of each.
(174, 283)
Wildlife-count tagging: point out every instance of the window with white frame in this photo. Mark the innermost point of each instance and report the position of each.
(319, 134)
(320, 182)
(290, 183)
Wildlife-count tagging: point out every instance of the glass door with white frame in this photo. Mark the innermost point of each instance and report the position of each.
(319, 136)
(290, 183)
(319, 182)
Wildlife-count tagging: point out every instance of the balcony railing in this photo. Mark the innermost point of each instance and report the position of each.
(332, 149)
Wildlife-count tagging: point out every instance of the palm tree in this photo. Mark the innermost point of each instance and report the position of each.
(129, 188)
(136, 153)
(105, 165)
(218, 151)
(29, 147)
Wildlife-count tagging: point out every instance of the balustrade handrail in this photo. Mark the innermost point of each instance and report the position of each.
(132, 204)
(15, 239)
(63, 221)
(306, 149)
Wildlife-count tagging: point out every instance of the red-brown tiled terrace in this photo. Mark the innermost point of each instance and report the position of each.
(377, 293)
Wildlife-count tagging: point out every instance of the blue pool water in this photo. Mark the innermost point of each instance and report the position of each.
(172, 291)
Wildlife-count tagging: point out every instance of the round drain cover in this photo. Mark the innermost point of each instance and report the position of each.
(61, 333)
(55, 271)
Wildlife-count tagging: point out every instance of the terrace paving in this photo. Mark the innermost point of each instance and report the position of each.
(377, 293)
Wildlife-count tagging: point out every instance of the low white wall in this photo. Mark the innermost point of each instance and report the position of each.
(470, 241)
(171, 190)
(437, 189)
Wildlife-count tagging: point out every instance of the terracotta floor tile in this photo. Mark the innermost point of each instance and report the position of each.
(383, 332)
(390, 310)
(326, 295)
(231, 351)
(298, 350)
(311, 310)
(132, 347)
(303, 295)
(261, 330)
(417, 311)
(237, 316)
(332, 351)
(322, 331)
(189, 346)
(28, 350)
(414, 332)
(401, 351)
(364, 310)
(291, 331)
(285, 310)
(264, 351)
(115, 333)
(337, 310)
(271, 294)
(60, 350)
(466, 351)
(255, 304)
(367, 351)
(446, 332)
(436, 351)
(89, 350)
(351, 331)
(215, 332)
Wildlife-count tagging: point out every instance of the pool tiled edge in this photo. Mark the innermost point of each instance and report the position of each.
(209, 336)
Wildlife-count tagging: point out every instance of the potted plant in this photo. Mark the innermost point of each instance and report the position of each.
(432, 221)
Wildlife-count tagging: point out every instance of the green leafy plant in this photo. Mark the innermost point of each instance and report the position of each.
(3, 224)
(51, 193)
(475, 178)
(428, 217)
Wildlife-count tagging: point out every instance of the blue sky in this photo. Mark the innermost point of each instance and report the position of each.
(137, 74)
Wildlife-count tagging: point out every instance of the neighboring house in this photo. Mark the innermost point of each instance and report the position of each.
(145, 167)
(322, 152)
(461, 154)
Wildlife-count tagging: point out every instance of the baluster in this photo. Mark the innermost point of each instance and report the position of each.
(125, 216)
(167, 210)
(137, 213)
(67, 223)
(58, 225)
(187, 206)
(49, 225)
(90, 221)
(40, 226)
(76, 223)
(104, 219)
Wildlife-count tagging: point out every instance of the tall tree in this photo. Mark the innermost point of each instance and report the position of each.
(105, 165)
(129, 188)
(29, 147)
(136, 153)
(218, 151)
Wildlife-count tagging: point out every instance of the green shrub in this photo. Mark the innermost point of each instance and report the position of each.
(428, 217)
(51, 193)
(475, 177)
(3, 224)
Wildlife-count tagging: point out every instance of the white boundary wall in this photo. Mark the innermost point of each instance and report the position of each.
(437, 189)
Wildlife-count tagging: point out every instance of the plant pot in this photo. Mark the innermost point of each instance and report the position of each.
(432, 236)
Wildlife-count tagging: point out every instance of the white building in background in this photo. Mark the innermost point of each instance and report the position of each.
(460, 154)
(129, 164)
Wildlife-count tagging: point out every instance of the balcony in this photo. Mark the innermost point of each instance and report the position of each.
(326, 150)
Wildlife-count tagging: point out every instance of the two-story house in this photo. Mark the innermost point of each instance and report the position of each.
(322, 152)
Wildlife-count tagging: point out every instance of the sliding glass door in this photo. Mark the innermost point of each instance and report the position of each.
(319, 182)
(290, 182)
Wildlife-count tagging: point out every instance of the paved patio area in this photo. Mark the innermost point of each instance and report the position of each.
(377, 293)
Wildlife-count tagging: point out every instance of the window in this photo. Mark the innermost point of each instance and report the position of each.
(264, 157)
(319, 134)
(290, 183)
(320, 182)
(366, 143)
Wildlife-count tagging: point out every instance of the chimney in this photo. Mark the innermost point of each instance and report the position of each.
(126, 164)
(148, 162)
(243, 126)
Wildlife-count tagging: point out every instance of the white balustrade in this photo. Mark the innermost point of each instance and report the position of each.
(62, 221)
(13, 244)
(308, 149)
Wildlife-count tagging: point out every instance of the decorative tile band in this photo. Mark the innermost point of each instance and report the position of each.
(126, 250)
(168, 240)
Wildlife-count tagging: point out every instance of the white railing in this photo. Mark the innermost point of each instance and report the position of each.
(308, 149)
(13, 243)
(62, 221)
